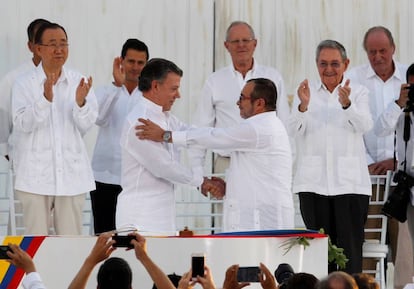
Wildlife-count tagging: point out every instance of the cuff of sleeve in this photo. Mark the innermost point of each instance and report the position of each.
(179, 137)
(29, 279)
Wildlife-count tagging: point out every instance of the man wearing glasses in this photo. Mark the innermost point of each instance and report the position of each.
(216, 104)
(258, 189)
(53, 107)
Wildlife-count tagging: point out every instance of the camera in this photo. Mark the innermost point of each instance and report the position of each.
(282, 274)
(123, 241)
(248, 274)
(3, 252)
(197, 265)
(410, 102)
(396, 204)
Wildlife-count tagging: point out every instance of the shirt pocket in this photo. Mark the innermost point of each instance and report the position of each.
(309, 170)
(349, 171)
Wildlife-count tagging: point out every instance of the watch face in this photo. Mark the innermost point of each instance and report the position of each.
(167, 135)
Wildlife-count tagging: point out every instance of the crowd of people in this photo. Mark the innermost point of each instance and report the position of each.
(338, 133)
(115, 272)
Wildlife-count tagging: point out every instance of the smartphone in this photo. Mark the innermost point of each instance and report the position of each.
(123, 241)
(3, 252)
(197, 265)
(248, 274)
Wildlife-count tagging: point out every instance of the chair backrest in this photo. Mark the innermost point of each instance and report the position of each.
(376, 225)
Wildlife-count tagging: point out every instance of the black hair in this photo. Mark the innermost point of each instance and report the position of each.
(33, 27)
(114, 273)
(156, 69)
(264, 88)
(302, 281)
(134, 44)
(43, 28)
(410, 71)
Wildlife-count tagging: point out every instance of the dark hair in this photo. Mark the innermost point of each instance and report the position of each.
(333, 44)
(376, 29)
(410, 71)
(264, 88)
(302, 281)
(33, 27)
(134, 44)
(43, 28)
(365, 281)
(156, 69)
(114, 273)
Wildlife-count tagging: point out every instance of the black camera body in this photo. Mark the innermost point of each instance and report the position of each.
(396, 204)
(282, 273)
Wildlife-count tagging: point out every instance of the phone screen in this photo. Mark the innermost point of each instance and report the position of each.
(3, 250)
(248, 274)
(197, 265)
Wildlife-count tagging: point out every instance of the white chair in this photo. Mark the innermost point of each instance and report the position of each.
(375, 246)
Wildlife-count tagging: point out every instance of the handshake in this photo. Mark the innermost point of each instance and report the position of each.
(216, 186)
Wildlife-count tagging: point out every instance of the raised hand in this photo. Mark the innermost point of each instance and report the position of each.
(304, 95)
(118, 72)
(83, 90)
(343, 94)
(20, 258)
(48, 86)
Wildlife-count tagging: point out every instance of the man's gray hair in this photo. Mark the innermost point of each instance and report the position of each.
(235, 23)
(333, 45)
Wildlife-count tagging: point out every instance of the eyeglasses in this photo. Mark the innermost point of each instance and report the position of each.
(334, 65)
(56, 46)
(242, 97)
(240, 41)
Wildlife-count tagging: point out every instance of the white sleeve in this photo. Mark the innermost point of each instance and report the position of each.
(33, 281)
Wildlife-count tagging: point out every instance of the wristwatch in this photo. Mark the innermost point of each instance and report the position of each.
(166, 137)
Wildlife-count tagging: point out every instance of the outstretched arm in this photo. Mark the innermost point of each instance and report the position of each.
(101, 251)
(157, 275)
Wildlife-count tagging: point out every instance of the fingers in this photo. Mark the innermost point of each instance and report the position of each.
(347, 82)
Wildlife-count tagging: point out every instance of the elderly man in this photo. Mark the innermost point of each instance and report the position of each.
(150, 170)
(331, 174)
(384, 77)
(53, 107)
(216, 105)
(258, 192)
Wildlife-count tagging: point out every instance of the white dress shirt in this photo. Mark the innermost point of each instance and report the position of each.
(330, 152)
(392, 119)
(381, 94)
(50, 156)
(217, 105)
(258, 190)
(114, 105)
(149, 172)
(33, 281)
(6, 122)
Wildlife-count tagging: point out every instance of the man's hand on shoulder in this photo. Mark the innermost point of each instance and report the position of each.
(149, 130)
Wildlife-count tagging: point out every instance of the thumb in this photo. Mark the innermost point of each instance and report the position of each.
(347, 82)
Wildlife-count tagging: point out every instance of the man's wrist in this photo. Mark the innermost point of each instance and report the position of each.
(167, 136)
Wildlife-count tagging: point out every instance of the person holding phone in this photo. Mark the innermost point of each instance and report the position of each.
(22, 260)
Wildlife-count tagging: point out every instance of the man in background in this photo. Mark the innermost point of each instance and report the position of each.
(115, 101)
(6, 84)
(383, 76)
(53, 107)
